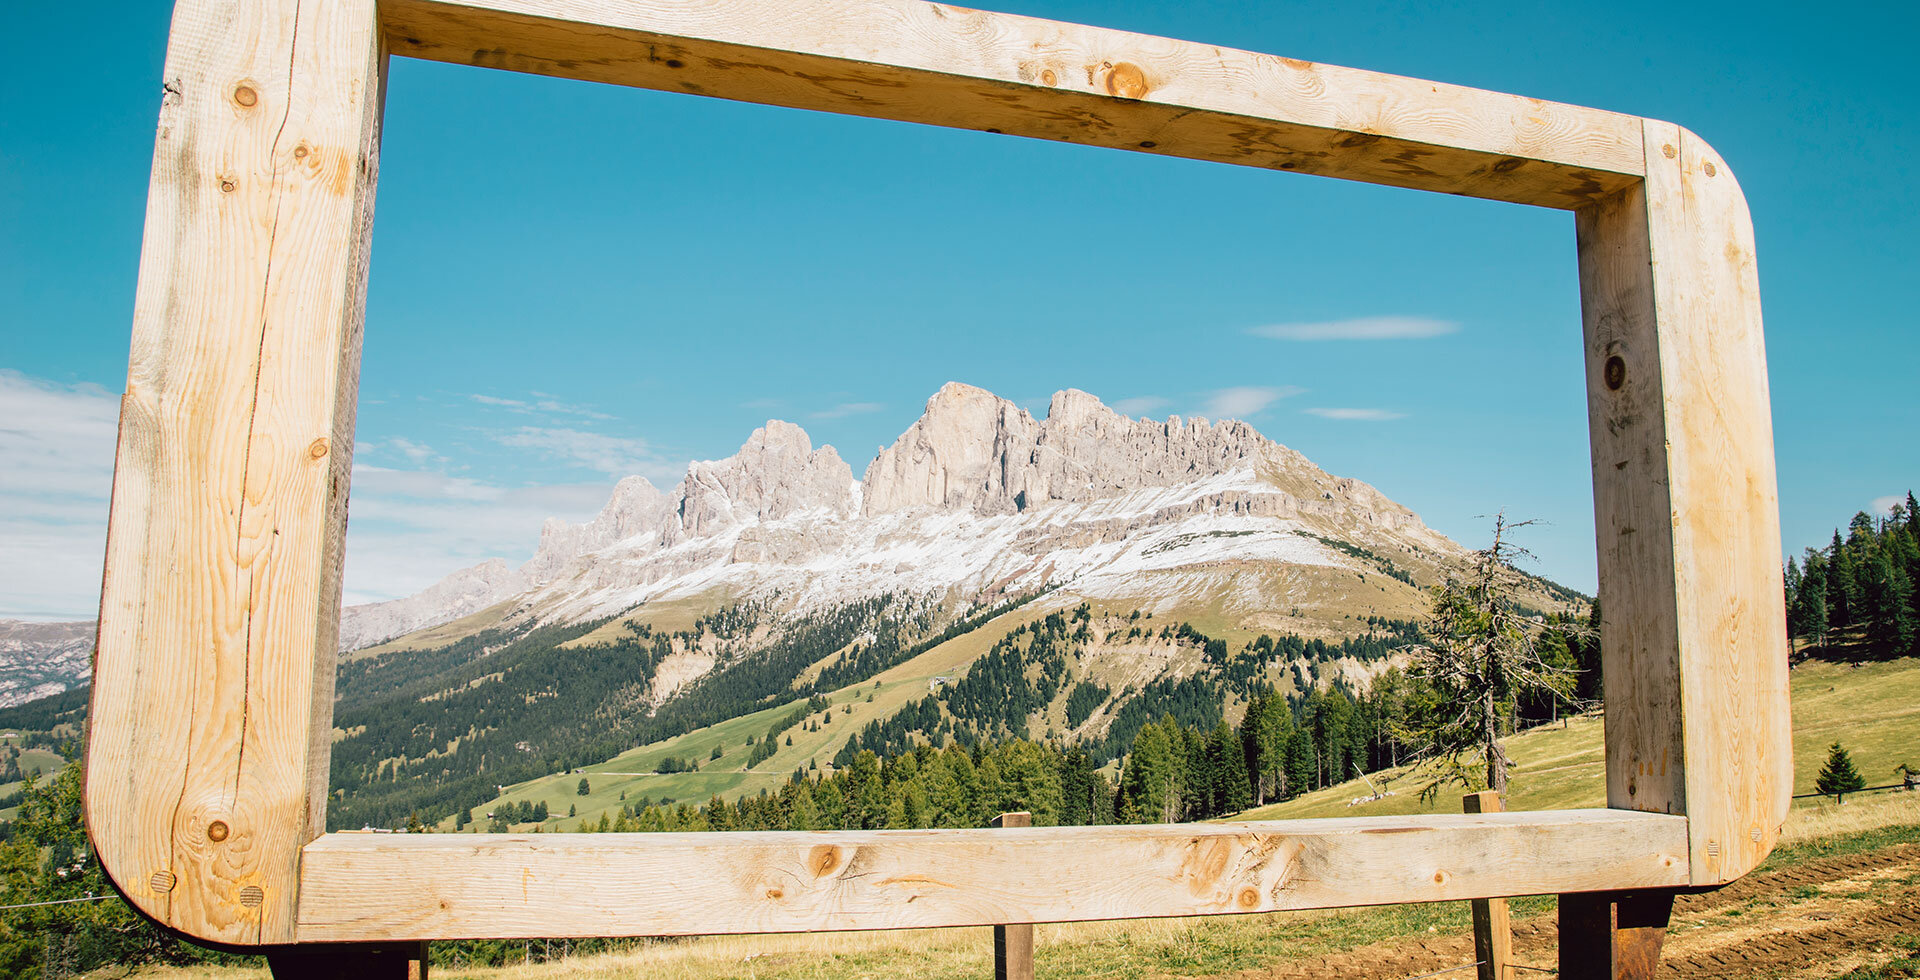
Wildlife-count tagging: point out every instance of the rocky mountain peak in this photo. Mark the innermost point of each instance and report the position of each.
(976, 451)
(776, 473)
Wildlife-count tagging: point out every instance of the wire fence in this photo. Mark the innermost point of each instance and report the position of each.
(1863, 789)
(57, 901)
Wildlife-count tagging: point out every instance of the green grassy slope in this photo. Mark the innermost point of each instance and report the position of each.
(631, 772)
(1873, 709)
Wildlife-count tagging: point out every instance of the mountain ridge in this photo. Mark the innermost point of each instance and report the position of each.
(974, 467)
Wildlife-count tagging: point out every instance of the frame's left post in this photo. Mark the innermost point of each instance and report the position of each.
(212, 700)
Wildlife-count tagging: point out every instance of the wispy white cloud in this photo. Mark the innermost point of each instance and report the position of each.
(1881, 505)
(1360, 328)
(615, 456)
(845, 409)
(1140, 405)
(413, 522)
(400, 446)
(56, 472)
(1357, 414)
(540, 404)
(1244, 402)
(411, 527)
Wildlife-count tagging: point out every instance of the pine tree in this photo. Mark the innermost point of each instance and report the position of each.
(1809, 612)
(1839, 777)
(1843, 586)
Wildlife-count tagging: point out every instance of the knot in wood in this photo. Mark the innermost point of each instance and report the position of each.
(1615, 373)
(1127, 81)
(217, 831)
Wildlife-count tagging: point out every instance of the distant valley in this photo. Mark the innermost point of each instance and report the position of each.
(991, 574)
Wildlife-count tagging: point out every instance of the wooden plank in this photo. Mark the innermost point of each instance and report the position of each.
(1013, 945)
(1733, 650)
(1632, 507)
(1492, 925)
(212, 691)
(371, 887)
(1687, 513)
(952, 66)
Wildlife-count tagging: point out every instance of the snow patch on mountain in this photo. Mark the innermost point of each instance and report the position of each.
(976, 498)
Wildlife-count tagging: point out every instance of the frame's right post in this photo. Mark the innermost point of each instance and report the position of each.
(1686, 507)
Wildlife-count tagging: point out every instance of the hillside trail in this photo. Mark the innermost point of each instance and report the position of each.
(1816, 919)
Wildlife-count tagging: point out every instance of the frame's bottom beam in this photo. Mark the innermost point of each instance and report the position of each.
(364, 888)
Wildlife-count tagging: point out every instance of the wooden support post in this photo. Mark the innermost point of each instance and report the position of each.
(1013, 945)
(1612, 935)
(1492, 928)
(349, 961)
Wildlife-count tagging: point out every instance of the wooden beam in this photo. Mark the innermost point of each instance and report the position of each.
(213, 683)
(1492, 926)
(212, 696)
(1013, 944)
(972, 69)
(370, 887)
(1613, 935)
(1693, 633)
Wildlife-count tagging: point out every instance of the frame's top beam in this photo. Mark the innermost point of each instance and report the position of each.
(951, 66)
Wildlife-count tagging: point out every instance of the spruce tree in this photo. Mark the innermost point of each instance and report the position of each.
(1843, 585)
(1839, 777)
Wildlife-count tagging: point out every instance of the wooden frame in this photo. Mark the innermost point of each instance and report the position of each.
(213, 687)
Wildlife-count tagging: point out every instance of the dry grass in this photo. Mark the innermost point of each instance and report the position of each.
(1812, 819)
(1561, 767)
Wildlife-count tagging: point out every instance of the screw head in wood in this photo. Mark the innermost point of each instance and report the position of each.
(217, 831)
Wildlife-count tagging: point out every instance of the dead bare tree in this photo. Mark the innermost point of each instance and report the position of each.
(1481, 655)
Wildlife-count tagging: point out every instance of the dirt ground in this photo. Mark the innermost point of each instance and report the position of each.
(1817, 919)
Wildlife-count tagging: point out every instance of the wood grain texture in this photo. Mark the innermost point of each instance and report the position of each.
(452, 886)
(1726, 509)
(1492, 922)
(1013, 944)
(952, 66)
(212, 692)
(1687, 512)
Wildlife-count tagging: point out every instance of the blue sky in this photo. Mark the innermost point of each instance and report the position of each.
(574, 282)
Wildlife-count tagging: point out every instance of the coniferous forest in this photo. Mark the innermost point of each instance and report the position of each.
(1857, 596)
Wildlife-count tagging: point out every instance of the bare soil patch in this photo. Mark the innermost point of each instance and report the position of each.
(1816, 919)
